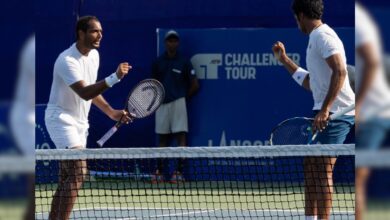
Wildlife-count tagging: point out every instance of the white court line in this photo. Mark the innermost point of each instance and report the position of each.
(183, 213)
(288, 210)
(170, 215)
(189, 213)
(164, 208)
(128, 218)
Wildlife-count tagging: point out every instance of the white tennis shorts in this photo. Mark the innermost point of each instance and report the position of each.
(172, 117)
(65, 131)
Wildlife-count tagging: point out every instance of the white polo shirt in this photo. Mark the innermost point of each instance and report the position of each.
(324, 43)
(379, 93)
(70, 67)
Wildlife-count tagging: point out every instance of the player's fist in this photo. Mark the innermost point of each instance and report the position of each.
(123, 69)
(279, 50)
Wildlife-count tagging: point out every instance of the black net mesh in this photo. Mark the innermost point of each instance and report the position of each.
(214, 183)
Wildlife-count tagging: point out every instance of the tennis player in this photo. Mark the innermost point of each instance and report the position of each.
(22, 117)
(373, 121)
(74, 88)
(326, 77)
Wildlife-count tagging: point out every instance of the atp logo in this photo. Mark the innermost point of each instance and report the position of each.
(206, 65)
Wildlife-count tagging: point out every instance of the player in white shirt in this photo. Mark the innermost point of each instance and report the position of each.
(22, 118)
(23, 108)
(73, 90)
(372, 96)
(326, 77)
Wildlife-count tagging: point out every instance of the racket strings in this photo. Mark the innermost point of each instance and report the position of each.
(142, 104)
(146, 98)
(293, 131)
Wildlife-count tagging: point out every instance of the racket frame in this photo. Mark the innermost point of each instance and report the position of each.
(314, 136)
(119, 123)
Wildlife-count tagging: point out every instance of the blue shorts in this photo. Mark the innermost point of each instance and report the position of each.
(371, 134)
(336, 131)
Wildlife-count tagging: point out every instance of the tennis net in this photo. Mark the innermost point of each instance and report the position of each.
(16, 185)
(243, 182)
(376, 188)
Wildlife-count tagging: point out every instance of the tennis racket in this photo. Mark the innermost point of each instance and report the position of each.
(299, 130)
(142, 101)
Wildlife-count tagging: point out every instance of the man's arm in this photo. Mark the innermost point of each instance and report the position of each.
(194, 87)
(192, 79)
(339, 73)
(280, 54)
(88, 92)
(91, 91)
(115, 115)
(371, 63)
(103, 105)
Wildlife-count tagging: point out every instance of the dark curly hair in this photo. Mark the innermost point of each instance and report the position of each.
(312, 9)
(83, 24)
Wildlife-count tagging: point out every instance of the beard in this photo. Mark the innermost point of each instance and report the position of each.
(91, 44)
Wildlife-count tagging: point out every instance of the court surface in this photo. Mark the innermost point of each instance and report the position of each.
(140, 200)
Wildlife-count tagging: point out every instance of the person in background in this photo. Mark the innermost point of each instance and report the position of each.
(22, 117)
(178, 77)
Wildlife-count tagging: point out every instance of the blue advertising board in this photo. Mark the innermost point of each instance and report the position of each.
(244, 91)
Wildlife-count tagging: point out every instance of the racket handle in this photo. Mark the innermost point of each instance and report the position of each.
(107, 136)
(313, 138)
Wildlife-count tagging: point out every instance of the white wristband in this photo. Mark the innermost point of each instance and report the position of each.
(299, 75)
(112, 80)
